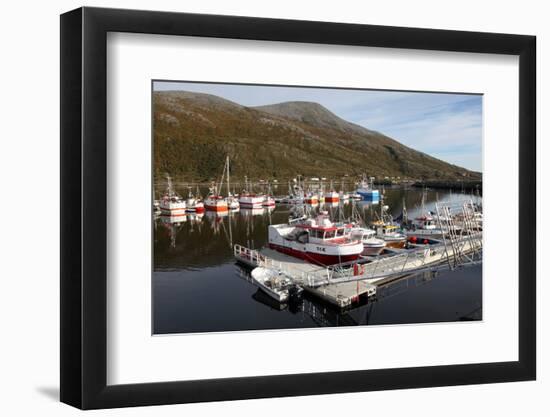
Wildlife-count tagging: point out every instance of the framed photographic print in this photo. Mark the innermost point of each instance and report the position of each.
(257, 208)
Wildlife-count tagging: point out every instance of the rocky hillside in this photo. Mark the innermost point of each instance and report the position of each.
(194, 132)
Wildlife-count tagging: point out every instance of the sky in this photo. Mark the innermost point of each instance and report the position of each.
(446, 126)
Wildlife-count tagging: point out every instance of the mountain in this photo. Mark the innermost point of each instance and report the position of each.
(193, 133)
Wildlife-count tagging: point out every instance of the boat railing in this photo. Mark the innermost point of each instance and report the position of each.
(407, 262)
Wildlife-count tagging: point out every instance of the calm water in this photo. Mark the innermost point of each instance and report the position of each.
(197, 287)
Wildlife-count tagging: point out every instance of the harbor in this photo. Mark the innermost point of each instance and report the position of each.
(441, 235)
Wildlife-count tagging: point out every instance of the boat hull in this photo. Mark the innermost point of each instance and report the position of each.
(373, 250)
(216, 208)
(314, 257)
(396, 244)
(369, 195)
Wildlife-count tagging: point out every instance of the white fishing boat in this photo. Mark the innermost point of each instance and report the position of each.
(372, 245)
(272, 282)
(215, 201)
(171, 203)
(248, 199)
(292, 200)
(194, 202)
(295, 195)
(425, 226)
(269, 201)
(233, 203)
(316, 240)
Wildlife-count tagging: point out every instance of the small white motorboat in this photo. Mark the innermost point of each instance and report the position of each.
(272, 282)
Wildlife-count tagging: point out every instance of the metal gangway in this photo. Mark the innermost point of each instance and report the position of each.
(461, 223)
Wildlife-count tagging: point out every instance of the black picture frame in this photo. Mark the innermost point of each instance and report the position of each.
(84, 207)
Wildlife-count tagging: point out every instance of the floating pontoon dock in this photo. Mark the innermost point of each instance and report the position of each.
(341, 294)
(344, 284)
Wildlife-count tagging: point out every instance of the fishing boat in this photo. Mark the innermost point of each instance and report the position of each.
(269, 201)
(194, 202)
(372, 245)
(366, 190)
(251, 200)
(316, 240)
(332, 196)
(215, 201)
(311, 198)
(425, 226)
(273, 283)
(390, 234)
(171, 203)
(292, 200)
(387, 230)
(344, 195)
(248, 199)
(295, 195)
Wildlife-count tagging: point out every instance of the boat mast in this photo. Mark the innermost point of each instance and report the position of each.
(227, 164)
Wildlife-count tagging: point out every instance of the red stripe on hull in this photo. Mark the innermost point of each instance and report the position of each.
(317, 258)
(196, 209)
(332, 199)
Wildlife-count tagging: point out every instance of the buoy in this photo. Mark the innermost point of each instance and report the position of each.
(413, 239)
(425, 241)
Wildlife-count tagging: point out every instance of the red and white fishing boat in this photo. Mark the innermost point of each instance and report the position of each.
(311, 198)
(215, 202)
(194, 203)
(171, 203)
(316, 240)
(269, 201)
(251, 200)
(248, 199)
(332, 196)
